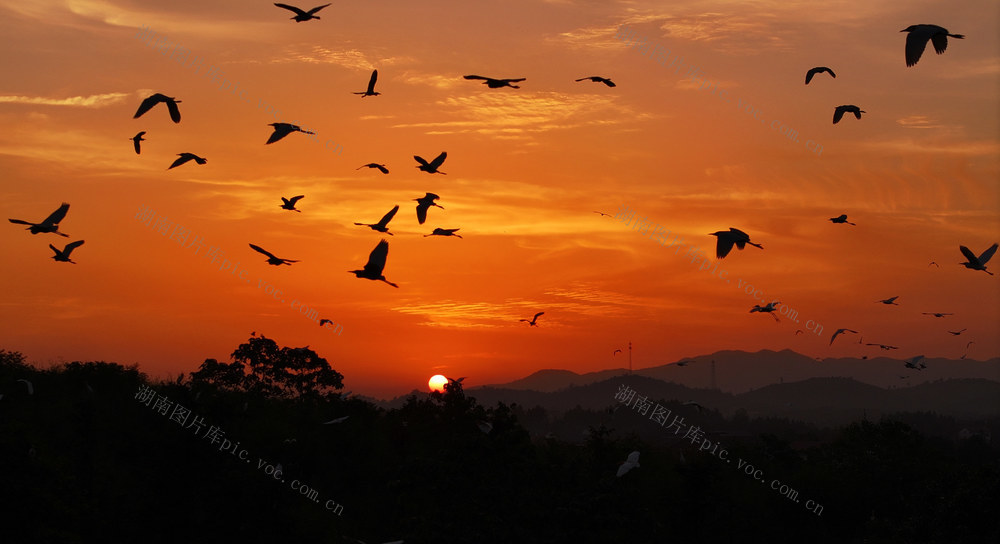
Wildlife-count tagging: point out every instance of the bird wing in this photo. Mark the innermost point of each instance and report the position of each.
(371, 82)
(421, 213)
(147, 104)
(376, 259)
(314, 10)
(175, 112)
(838, 114)
(608, 82)
(916, 41)
(71, 246)
(292, 8)
(831, 72)
(536, 315)
(722, 247)
(940, 42)
(810, 74)
(20, 222)
(968, 254)
(584, 79)
(259, 249)
(381, 168)
(135, 144)
(475, 77)
(280, 131)
(55, 217)
(514, 80)
(439, 160)
(988, 254)
(388, 217)
(183, 158)
(294, 199)
(835, 335)
(421, 160)
(54, 248)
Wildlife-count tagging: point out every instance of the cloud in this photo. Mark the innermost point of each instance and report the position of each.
(92, 101)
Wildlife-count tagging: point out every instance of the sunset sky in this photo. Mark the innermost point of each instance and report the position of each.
(526, 168)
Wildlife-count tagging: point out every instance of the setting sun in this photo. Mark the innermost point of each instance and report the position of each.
(437, 382)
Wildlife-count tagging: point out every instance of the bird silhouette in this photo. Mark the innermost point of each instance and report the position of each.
(29, 385)
(683, 363)
(883, 347)
(63, 256)
(136, 139)
(376, 263)
(840, 331)
(969, 344)
(370, 91)
(185, 157)
(631, 462)
(598, 79)
(798, 332)
(915, 363)
(818, 70)
(455, 381)
(431, 167)
(497, 83)
(839, 112)
(383, 224)
(604, 214)
(289, 203)
(726, 240)
(769, 308)
(271, 259)
(977, 263)
(935, 314)
(956, 333)
(916, 40)
(300, 15)
(934, 263)
(423, 204)
(381, 167)
(284, 129)
(533, 320)
(890, 300)
(324, 322)
(842, 218)
(149, 102)
(49, 225)
(443, 232)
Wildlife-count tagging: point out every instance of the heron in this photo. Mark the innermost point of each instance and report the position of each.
(381, 167)
(324, 321)
(136, 139)
(916, 40)
(726, 240)
(769, 308)
(915, 363)
(533, 321)
(598, 79)
(431, 167)
(839, 112)
(50, 224)
(935, 314)
(370, 91)
(423, 204)
(605, 214)
(933, 263)
(818, 70)
(271, 259)
(631, 462)
(289, 203)
(883, 347)
(890, 300)
(842, 218)
(977, 263)
(956, 333)
(443, 232)
(969, 343)
(383, 224)
(497, 83)
(185, 157)
(840, 331)
(150, 101)
(455, 381)
(300, 15)
(284, 129)
(63, 256)
(376, 263)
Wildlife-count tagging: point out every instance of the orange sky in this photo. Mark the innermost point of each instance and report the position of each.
(526, 168)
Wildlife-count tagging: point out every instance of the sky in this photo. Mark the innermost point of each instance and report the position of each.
(694, 138)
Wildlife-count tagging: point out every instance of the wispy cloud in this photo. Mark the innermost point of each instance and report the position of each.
(92, 101)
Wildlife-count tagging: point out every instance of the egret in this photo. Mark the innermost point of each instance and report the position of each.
(370, 91)
(839, 331)
(497, 83)
(818, 70)
(136, 139)
(300, 15)
(185, 157)
(604, 214)
(383, 224)
(726, 240)
(51, 223)
(842, 218)
(933, 263)
(376, 263)
(598, 79)
(271, 259)
(883, 347)
(769, 309)
(915, 363)
(916, 40)
(289, 203)
(891, 300)
(956, 333)
(324, 321)
(443, 232)
(532, 321)
(977, 263)
(284, 129)
(431, 167)
(629, 464)
(63, 256)
(149, 102)
(935, 314)
(381, 167)
(839, 112)
(423, 204)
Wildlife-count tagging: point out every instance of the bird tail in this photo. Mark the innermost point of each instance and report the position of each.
(959, 36)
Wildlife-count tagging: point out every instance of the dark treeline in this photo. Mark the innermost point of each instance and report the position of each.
(86, 461)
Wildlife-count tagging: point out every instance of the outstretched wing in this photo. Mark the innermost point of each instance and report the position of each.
(388, 217)
(20, 222)
(514, 80)
(940, 42)
(280, 131)
(54, 248)
(722, 247)
(382, 169)
(294, 199)
(969, 254)
(838, 114)
(71, 246)
(421, 213)
(915, 44)
(259, 249)
(293, 8)
(55, 217)
(810, 74)
(421, 160)
(371, 82)
(439, 160)
(536, 315)
(183, 158)
(148, 104)
(314, 10)
(175, 112)
(988, 254)
(475, 77)
(608, 82)
(376, 259)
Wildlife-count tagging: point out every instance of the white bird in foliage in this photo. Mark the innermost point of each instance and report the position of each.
(977, 263)
(629, 464)
(919, 35)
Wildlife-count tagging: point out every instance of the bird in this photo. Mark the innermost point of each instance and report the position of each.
(49, 225)
(915, 363)
(485, 426)
(935, 314)
(883, 347)
(381, 167)
(185, 157)
(370, 91)
(337, 420)
(423, 204)
(696, 405)
(769, 309)
(818, 70)
(150, 101)
(956, 333)
(891, 300)
(726, 240)
(842, 218)
(28, 384)
(289, 203)
(839, 112)
(617, 351)
(917, 39)
(383, 224)
(969, 344)
(431, 167)
(63, 256)
(977, 263)
(683, 363)
(597, 79)
(798, 332)
(497, 83)
(136, 139)
(629, 464)
(284, 129)
(532, 321)
(324, 321)
(300, 15)
(604, 214)
(839, 331)
(271, 259)
(443, 232)
(456, 381)
(376, 263)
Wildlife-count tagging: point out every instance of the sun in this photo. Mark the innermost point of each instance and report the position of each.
(437, 383)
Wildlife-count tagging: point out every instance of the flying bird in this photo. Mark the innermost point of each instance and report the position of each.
(289, 203)
(284, 129)
(431, 167)
(136, 139)
(533, 319)
(376, 263)
(883, 347)
(149, 102)
(302, 15)
(423, 204)
(977, 263)
(370, 91)
(381, 167)
(933, 263)
(604, 214)
(185, 157)
(726, 240)
(63, 256)
(935, 314)
(456, 381)
(839, 112)
(916, 40)
(956, 333)
(443, 232)
(969, 344)
(798, 332)
(915, 363)
(338, 420)
(769, 308)
(28, 384)
(597, 79)
(839, 331)
(51, 223)
(629, 464)
(383, 224)
(891, 300)
(818, 70)
(497, 83)
(617, 351)
(324, 321)
(842, 218)
(271, 259)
